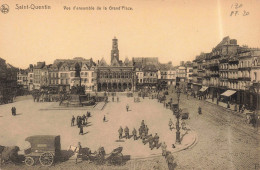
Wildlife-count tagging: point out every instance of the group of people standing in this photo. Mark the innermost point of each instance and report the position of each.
(143, 134)
(81, 121)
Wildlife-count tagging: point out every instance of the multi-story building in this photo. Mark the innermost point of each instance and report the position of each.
(37, 75)
(255, 78)
(54, 75)
(229, 73)
(189, 72)
(150, 76)
(22, 78)
(30, 78)
(247, 77)
(64, 77)
(139, 74)
(232, 74)
(45, 82)
(8, 82)
(88, 77)
(166, 75)
(22, 82)
(199, 72)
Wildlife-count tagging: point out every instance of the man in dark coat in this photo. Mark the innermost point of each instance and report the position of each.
(151, 140)
(140, 131)
(142, 124)
(72, 120)
(80, 122)
(84, 119)
(80, 130)
(12, 110)
(146, 130)
(156, 140)
(120, 131)
(126, 132)
(134, 134)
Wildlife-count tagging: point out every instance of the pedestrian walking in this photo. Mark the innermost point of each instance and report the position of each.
(140, 131)
(78, 151)
(199, 110)
(163, 146)
(146, 130)
(143, 136)
(134, 134)
(126, 132)
(156, 140)
(142, 124)
(72, 120)
(88, 114)
(170, 124)
(12, 111)
(120, 132)
(151, 141)
(80, 130)
(84, 119)
(127, 107)
(77, 120)
(170, 160)
(228, 105)
(104, 118)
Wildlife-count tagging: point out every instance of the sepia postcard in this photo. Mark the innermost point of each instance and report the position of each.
(129, 84)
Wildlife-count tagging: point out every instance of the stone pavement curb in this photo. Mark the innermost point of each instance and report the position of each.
(184, 147)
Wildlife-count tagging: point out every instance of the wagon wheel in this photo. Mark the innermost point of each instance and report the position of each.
(46, 159)
(29, 161)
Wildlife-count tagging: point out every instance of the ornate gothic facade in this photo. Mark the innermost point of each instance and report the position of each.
(118, 76)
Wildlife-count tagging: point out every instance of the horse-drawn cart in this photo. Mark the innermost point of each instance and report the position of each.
(44, 148)
(100, 157)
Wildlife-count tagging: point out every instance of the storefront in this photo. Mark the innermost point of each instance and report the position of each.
(196, 88)
(229, 96)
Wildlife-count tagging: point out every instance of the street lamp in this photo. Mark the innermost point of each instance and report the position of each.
(177, 114)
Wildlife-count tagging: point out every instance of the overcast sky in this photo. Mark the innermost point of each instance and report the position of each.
(171, 30)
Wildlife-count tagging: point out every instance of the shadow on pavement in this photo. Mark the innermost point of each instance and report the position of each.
(65, 155)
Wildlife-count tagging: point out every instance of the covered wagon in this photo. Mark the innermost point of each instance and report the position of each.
(44, 148)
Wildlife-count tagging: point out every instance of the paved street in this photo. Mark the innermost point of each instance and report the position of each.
(226, 141)
(34, 119)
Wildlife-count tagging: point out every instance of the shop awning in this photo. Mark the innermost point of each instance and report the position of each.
(204, 88)
(228, 93)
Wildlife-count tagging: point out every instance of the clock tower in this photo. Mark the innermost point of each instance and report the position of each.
(114, 51)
